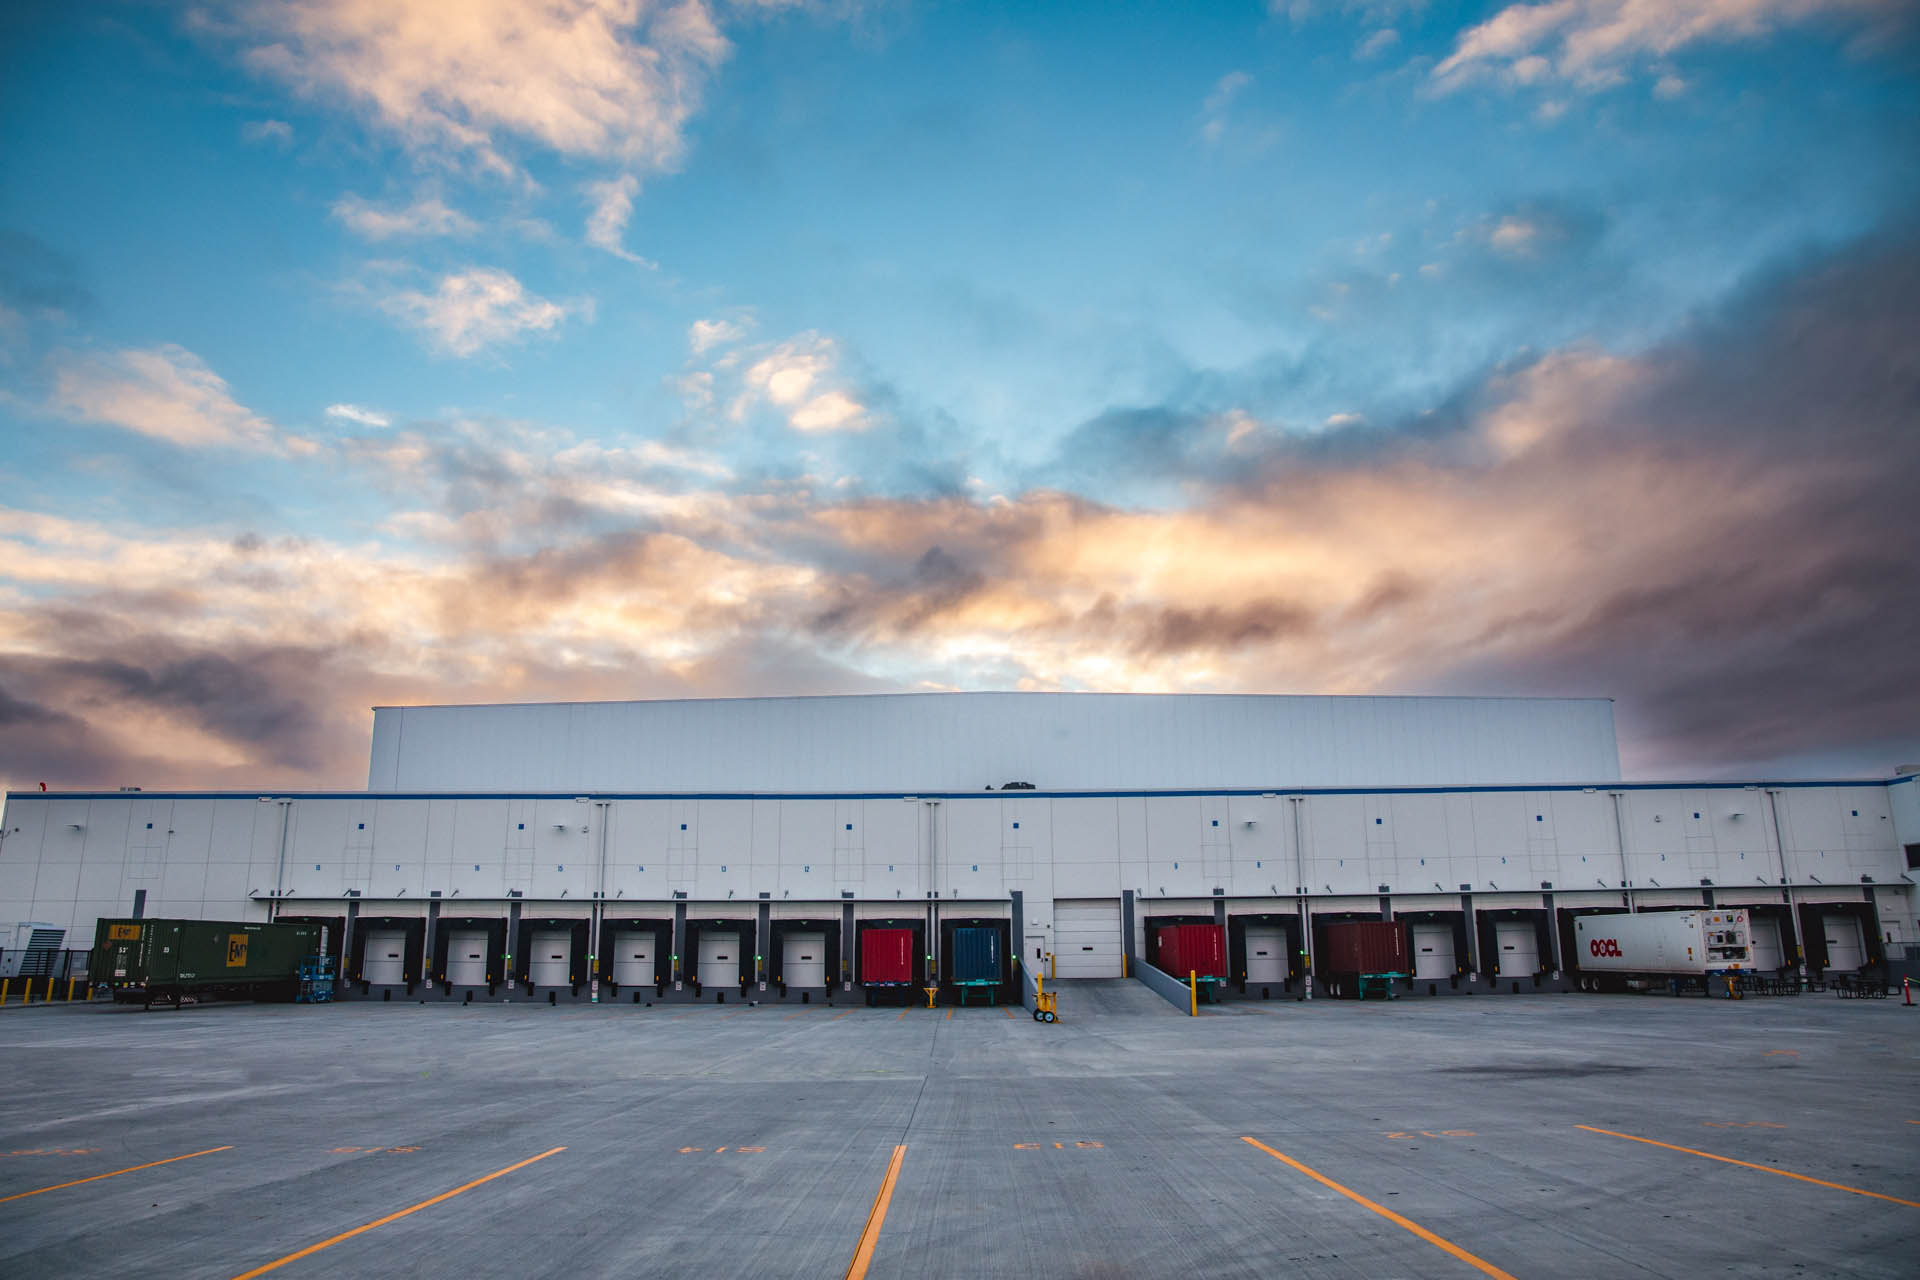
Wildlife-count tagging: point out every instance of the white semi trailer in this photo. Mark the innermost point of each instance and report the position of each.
(1632, 950)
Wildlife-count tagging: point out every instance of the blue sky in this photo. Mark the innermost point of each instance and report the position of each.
(366, 352)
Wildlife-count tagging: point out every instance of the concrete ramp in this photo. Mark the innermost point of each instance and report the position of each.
(1108, 997)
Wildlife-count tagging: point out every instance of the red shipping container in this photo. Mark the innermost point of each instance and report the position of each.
(1365, 946)
(1196, 948)
(886, 956)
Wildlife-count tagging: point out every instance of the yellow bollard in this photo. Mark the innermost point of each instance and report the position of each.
(1193, 993)
(70, 990)
(4, 984)
(1050, 972)
(1123, 964)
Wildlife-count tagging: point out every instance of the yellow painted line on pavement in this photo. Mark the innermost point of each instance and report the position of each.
(1764, 1168)
(22, 1195)
(903, 1013)
(392, 1217)
(1437, 1242)
(863, 1256)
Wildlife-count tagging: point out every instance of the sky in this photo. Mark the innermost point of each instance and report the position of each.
(362, 352)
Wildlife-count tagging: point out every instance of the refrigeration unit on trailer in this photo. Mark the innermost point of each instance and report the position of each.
(1362, 958)
(1633, 951)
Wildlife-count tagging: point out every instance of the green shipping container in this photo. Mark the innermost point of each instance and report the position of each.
(144, 961)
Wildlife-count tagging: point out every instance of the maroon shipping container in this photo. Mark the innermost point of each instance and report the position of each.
(886, 957)
(1365, 946)
(1196, 948)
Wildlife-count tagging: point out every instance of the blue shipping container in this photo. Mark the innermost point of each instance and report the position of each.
(976, 955)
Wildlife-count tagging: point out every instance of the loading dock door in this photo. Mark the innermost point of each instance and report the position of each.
(1517, 946)
(633, 959)
(803, 959)
(1846, 948)
(385, 960)
(1767, 952)
(552, 959)
(1086, 938)
(467, 958)
(1266, 955)
(1433, 951)
(719, 959)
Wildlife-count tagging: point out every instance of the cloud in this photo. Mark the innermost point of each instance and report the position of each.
(1214, 109)
(277, 132)
(613, 80)
(1595, 44)
(165, 392)
(426, 216)
(1376, 44)
(468, 311)
(705, 335)
(796, 377)
(1699, 529)
(607, 224)
(356, 413)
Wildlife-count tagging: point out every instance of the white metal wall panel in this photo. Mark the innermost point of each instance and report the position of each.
(967, 741)
(1086, 939)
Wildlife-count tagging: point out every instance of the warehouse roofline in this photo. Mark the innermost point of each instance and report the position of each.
(993, 693)
(1682, 785)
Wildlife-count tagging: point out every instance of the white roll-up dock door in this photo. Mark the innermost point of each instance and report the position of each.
(633, 958)
(467, 957)
(1086, 938)
(1518, 947)
(384, 962)
(1846, 944)
(1768, 954)
(1433, 951)
(551, 961)
(803, 959)
(719, 958)
(1266, 955)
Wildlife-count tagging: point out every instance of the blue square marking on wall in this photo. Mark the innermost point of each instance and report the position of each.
(1256, 864)
(976, 866)
(523, 826)
(1696, 813)
(1216, 822)
(1856, 813)
(363, 826)
(683, 826)
(1176, 866)
(316, 867)
(1377, 822)
(723, 866)
(149, 826)
(476, 867)
(1539, 817)
(557, 868)
(1016, 826)
(807, 867)
(849, 826)
(889, 866)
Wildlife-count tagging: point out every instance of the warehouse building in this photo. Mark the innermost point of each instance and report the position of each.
(743, 848)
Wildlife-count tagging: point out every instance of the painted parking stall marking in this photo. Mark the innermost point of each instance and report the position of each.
(1744, 1164)
(328, 1243)
(876, 1218)
(154, 1164)
(1438, 1242)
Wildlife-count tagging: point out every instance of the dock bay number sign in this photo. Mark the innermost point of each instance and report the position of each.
(236, 951)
